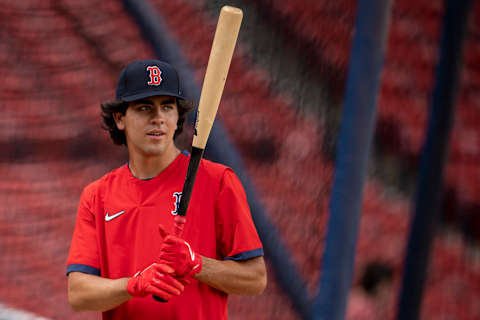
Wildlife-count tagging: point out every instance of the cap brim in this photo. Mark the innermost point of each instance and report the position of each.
(150, 93)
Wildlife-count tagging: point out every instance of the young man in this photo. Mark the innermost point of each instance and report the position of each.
(123, 250)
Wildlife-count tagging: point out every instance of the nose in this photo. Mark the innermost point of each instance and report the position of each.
(157, 115)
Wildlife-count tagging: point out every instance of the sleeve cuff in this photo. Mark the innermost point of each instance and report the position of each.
(83, 268)
(246, 255)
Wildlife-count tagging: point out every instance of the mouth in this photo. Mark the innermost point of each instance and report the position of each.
(156, 133)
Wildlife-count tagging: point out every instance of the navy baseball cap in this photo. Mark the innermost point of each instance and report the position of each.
(146, 78)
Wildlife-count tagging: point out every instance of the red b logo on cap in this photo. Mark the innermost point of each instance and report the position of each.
(154, 74)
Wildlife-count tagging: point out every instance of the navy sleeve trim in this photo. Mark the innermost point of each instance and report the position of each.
(83, 268)
(246, 255)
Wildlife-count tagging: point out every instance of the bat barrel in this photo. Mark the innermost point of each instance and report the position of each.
(217, 69)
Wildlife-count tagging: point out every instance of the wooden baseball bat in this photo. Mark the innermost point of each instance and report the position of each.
(221, 54)
(215, 76)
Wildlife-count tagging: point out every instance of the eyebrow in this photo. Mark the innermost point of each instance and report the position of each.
(149, 101)
(168, 101)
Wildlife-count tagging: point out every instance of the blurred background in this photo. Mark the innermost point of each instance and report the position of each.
(280, 116)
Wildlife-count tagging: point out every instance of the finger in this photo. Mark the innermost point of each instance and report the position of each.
(169, 262)
(165, 260)
(169, 280)
(169, 256)
(173, 240)
(173, 247)
(151, 289)
(162, 232)
(169, 246)
(164, 269)
(164, 274)
(185, 281)
(168, 284)
(175, 255)
(166, 248)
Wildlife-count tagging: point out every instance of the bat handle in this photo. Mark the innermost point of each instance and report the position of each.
(159, 299)
(179, 223)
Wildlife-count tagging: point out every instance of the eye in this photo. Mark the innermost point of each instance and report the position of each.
(143, 108)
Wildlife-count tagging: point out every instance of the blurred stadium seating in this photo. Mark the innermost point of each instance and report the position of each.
(59, 59)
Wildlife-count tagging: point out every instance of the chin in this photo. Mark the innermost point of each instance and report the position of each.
(154, 151)
(158, 149)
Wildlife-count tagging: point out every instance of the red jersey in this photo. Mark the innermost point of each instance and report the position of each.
(116, 233)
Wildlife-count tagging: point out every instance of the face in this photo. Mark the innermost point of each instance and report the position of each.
(149, 125)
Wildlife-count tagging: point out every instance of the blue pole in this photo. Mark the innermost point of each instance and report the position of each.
(355, 139)
(434, 154)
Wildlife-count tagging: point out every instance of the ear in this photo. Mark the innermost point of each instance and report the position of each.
(119, 117)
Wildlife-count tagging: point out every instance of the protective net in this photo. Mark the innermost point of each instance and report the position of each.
(281, 107)
(55, 70)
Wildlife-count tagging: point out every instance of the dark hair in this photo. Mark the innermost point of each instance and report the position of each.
(109, 108)
(374, 274)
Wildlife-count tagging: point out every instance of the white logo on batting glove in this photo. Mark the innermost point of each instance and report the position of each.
(192, 255)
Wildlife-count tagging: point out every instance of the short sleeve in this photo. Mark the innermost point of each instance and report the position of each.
(83, 255)
(235, 229)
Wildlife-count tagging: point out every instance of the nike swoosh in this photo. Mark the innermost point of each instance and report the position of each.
(113, 216)
(192, 254)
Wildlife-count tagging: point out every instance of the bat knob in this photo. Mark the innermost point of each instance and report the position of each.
(159, 299)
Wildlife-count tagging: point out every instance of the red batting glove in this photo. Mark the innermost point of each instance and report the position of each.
(178, 254)
(156, 279)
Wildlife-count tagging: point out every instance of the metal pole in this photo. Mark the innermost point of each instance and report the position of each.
(356, 135)
(434, 154)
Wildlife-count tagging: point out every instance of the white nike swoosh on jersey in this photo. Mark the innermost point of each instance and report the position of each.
(113, 216)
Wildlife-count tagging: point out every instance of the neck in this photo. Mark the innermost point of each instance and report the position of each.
(145, 167)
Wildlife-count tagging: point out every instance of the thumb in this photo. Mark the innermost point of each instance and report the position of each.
(162, 232)
(164, 269)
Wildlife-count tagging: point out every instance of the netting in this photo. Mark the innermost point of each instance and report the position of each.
(322, 31)
(281, 107)
(55, 70)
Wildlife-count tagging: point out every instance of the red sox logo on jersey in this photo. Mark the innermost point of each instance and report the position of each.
(154, 74)
(177, 196)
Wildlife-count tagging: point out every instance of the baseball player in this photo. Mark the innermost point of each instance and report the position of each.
(123, 250)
